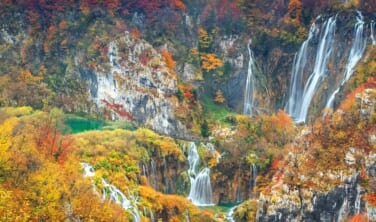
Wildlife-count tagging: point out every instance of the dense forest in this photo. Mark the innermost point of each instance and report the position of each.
(187, 110)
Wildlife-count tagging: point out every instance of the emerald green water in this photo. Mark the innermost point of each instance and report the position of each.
(77, 124)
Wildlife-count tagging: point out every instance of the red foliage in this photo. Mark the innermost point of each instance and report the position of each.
(188, 94)
(135, 33)
(116, 107)
(279, 176)
(358, 218)
(371, 199)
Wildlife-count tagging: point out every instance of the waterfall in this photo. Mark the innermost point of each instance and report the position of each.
(320, 68)
(300, 100)
(357, 199)
(372, 32)
(201, 192)
(253, 176)
(114, 193)
(88, 170)
(249, 95)
(296, 86)
(153, 177)
(230, 215)
(356, 52)
(152, 219)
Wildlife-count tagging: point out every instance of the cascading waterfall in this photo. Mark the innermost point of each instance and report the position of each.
(114, 193)
(320, 68)
(296, 87)
(357, 199)
(250, 84)
(201, 192)
(230, 215)
(153, 177)
(342, 213)
(152, 218)
(298, 108)
(372, 32)
(356, 52)
(252, 180)
(88, 170)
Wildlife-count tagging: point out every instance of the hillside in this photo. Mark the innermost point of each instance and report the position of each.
(175, 110)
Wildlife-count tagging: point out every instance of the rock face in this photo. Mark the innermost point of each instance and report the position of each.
(335, 205)
(135, 84)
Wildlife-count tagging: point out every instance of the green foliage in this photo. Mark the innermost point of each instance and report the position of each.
(205, 132)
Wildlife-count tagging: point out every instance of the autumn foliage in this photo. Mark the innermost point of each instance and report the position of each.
(169, 60)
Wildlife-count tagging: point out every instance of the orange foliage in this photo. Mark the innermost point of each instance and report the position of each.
(63, 24)
(350, 101)
(371, 199)
(27, 77)
(178, 4)
(169, 60)
(135, 33)
(219, 97)
(358, 218)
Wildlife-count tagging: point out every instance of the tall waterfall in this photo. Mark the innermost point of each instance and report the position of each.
(299, 110)
(201, 191)
(114, 193)
(372, 32)
(356, 52)
(296, 87)
(250, 84)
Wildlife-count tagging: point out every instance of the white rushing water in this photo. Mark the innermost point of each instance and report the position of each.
(299, 100)
(230, 215)
(319, 73)
(249, 96)
(356, 53)
(252, 179)
(372, 32)
(296, 86)
(201, 192)
(113, 193)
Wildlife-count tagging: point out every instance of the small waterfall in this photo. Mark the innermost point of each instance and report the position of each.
(114, 193)
(356, 52)
(294, 102)
(201, 191)
(357, 199)
(320, 68)
(249, 95)
(252, 179)
(152, 218)
(372, 32)
(187, 218)
(342, 213)
(153, 177)
(88, 170)
(230, 215)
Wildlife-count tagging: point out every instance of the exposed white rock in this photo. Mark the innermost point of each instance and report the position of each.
(136, 84)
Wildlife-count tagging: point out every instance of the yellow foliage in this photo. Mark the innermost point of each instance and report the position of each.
(203, 38)
(210, 62)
